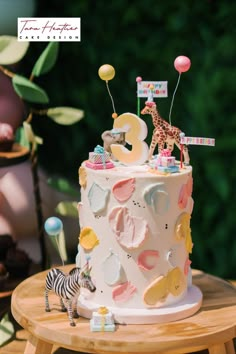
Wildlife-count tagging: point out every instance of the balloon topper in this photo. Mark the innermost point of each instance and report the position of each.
(106, 72)
(181, 64)
(54, 228)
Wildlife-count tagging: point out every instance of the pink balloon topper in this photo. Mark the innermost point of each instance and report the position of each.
(182, 64)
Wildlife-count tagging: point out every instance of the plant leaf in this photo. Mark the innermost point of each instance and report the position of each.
(12, 51)
(32, 139)
(67, 208)
(62, 185)
(21, 138)
(28, 90)
(46, 60)
(6, 330)
(65, 115)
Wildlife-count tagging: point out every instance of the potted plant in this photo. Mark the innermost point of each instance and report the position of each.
(22, 101)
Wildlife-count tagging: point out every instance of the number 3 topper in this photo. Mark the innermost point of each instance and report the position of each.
(135, 134)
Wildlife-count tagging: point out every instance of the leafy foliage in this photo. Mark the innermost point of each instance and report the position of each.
(67, 208)
(143, 38)
(63, 185)
(46, 60)
(28, 90)
(65, 115)
(6, 330)
(11, 51)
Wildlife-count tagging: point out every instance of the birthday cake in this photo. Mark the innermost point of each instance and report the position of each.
(134, 216)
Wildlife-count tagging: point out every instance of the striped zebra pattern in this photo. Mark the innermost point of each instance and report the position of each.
(67, 287)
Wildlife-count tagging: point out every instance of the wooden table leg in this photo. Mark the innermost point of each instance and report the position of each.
(217, 349)
(230, 347)
(37, 346)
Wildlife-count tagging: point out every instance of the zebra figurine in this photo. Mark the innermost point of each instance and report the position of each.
(67, 287)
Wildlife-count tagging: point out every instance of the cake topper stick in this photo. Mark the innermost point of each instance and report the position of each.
(138, 79)
(106, 72)
(181, 64)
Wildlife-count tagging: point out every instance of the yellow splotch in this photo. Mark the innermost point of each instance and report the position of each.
(88, 239)
(82, 177)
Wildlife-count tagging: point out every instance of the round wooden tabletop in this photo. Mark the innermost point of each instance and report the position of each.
(212, 327)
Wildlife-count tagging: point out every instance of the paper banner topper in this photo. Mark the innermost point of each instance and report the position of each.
(159, 88)
(189, 140)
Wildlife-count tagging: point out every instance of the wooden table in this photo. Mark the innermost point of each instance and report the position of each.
(212, 328)
(5, 294)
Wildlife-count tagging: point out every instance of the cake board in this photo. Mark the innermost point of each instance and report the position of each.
(190, 304)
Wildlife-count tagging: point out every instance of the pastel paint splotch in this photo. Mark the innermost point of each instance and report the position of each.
(88, 238)
(130, 231)
(157, 198)
(111, 268)
(123, 292)
(148, 259)
(98, 198)
(157, 291)
(124, 189)
(185, 193)
(183, 230)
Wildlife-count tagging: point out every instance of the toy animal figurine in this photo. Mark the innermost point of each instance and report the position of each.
(113, 136)
(67, 287)
(164, 133)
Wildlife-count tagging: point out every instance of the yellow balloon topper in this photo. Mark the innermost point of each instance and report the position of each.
(106, 72)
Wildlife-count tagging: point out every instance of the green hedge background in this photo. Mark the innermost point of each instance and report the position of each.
(143, 38)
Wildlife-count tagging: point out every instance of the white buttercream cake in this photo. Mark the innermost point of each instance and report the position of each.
(136, 236)
(135, 213)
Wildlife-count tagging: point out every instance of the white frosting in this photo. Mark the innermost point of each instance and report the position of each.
(135, 216)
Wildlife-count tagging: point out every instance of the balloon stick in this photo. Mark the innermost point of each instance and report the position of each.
(112, 101)
(172, 101)
(138, 106)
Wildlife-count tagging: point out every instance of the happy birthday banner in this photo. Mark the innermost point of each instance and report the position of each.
(159, 88)
(189, 140)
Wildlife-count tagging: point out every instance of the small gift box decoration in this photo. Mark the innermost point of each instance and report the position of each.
(99, 155)
(165, 159)
(99, 159)
(102, 320)
(165, 162)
